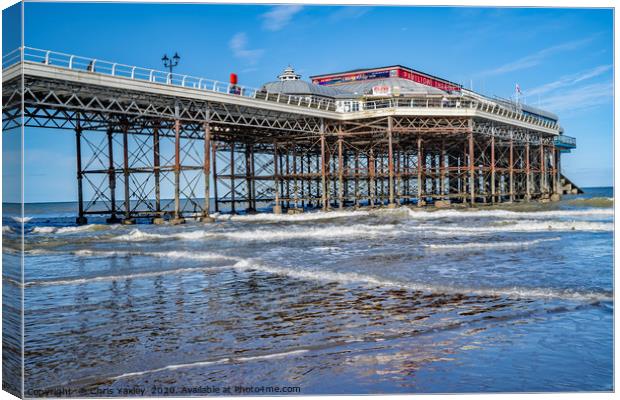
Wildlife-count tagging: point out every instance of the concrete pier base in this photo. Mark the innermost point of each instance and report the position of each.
(113, 220)
(277, 209)
(177, 221)
(295, 211)
(207, 219)
(128, 221)
(442, 204)
(158, 221)
(81, 221)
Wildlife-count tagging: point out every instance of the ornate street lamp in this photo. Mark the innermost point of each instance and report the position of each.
(170, 63)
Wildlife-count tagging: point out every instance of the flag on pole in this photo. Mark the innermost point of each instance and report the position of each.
(517, 88)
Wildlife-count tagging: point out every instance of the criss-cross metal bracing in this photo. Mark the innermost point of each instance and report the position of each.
(145, 155)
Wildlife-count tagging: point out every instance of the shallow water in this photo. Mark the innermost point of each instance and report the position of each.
(511, 298)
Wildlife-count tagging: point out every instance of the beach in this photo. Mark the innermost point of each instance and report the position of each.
(511, 297)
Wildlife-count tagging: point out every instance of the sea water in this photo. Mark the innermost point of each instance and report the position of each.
(495, 298)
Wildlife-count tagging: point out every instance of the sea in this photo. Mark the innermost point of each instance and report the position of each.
(504, 298)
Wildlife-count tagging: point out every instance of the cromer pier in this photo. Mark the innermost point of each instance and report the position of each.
(156, 145)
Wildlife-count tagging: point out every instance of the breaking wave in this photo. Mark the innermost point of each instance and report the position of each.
(310, 216)
(505, 214)
(105, 278)
(163, 254)
(530, 226)
(266, 234)
(169, 254)
(21, 220)
(72, 229)
(355, 278)
(250, 264)
(224, 360)
(492, 245)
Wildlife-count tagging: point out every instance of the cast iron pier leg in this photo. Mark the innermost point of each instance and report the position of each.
(81, 219)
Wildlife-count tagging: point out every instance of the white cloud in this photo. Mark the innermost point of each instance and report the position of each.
(279, 16)
(238, 45)
(568, 80)
(348, 12)
(536, 58)
(580, 98)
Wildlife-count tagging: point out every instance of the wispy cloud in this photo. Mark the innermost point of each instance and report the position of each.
(536, 58)
(568, 80)
(347, 12)
(279, 16)
(580, 98)
(238, 44)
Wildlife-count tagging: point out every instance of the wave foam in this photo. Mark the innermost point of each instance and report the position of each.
(486, 245)
(529, 226)
(108, 278)
(506, 214)
(168, 254)
(309, 216)
(352, 277)
(71, 229)
(226, 360)
(21, 220)
(266, 234)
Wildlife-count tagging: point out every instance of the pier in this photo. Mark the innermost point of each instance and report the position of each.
(141, 133)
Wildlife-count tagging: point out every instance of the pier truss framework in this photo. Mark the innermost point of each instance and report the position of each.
(132, 147)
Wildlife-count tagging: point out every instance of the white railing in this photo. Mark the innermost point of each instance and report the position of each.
(565, 141)
(103, 67)
(97, 66)
(446, 102)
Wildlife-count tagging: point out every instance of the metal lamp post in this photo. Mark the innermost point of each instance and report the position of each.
(170, 63)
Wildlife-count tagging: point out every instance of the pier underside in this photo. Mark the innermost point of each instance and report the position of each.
(157, 157)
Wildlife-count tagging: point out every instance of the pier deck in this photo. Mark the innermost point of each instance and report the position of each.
(142, 134)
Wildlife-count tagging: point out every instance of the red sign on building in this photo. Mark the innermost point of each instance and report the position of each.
(382, 73)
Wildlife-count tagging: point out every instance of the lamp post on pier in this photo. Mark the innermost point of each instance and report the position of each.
(170, 63)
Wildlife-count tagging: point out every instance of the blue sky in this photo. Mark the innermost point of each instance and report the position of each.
(561, 58)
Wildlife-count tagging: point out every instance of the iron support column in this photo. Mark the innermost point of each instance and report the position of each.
(277, 208)
(127, 219)
(390, 162)
(472, 188)
(248, 176)
(543, 161)
(528, 178)
(371, 174)
(356, 175)
(156, 168)
(177, 173)
(81, 219)
(207, 173)
(511, 172)
(214, 161)
(493, 167)
(420, 201)
(232, 177)
(442, 169)
(340, 174)
(323, 177)
(111, 178)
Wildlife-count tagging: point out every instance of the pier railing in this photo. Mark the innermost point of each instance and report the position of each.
(565, 141)
(454, 102)
(97, 66)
